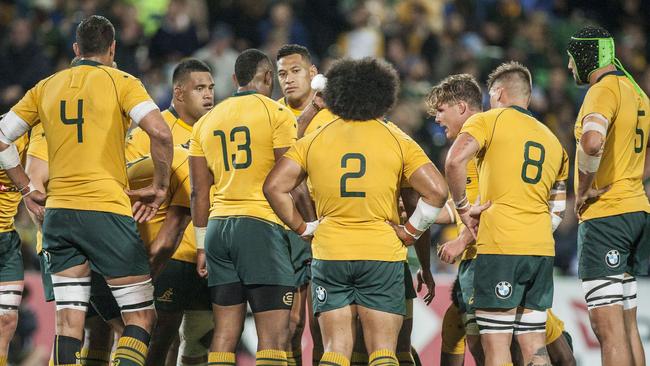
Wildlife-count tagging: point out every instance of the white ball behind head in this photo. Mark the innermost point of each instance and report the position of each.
(319, 82)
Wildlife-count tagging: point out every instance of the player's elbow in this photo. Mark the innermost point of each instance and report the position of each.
(453, 163)
(270, 188)
(592, 143)
(440, 193)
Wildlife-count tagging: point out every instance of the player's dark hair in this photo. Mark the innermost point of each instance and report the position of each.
(511, 71)
(361, 89)
(187, 66)
(454, 89)
(95, 35)
(247, 63)
(293, 49)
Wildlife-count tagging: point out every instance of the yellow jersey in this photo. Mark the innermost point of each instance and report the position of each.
(323, 117)
(356, 169)
(237, 138)
(38, 149)
(140, 172)
(139, 145)
(471, 190)
(519, 161)
(10, 197)
(621, 165)
(84, 111)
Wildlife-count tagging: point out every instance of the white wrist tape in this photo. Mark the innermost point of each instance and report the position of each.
(424, 215)
(138, 112)
(595, 126)
(586, 162)
(310, 228)
(9, 158)
(557, 206)
(12, 127)
(199, 234)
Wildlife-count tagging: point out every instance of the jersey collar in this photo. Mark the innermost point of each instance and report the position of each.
(522, 110)
(245, 92)
(182, 123)
(616, 72)
(86, 62)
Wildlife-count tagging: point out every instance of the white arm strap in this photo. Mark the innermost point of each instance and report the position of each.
(424, 215)
(9, 157)
(199, 234)
(138, 112)
(594, 126)
(12, 127)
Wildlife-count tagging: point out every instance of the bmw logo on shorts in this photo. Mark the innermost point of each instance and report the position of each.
(503, 290)
(321, 294)
(613, 258)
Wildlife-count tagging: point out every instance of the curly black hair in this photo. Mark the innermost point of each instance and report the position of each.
(247, 63)
(360, 90)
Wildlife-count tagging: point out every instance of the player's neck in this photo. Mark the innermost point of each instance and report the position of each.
(102, 59)
(598, 73)
(301, 104)
(182, 114)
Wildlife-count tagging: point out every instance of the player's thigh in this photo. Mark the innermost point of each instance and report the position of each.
(338, 329)
(331, 287)
(379, 285)
(11, 258)
(219, 239)
(60, 240)
(300, 251)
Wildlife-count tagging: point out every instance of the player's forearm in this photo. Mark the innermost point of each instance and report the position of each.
(305, 118)
(171, 233)
(303, 201)
(284, 207)
(585, 181)
(423, 250)
(200, 203)
(19, 178)
(456, 170)
(162, 153)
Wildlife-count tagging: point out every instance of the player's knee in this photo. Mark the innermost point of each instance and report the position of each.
(195, 332)
(136, 303)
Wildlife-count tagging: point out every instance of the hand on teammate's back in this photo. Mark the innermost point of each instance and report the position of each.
(35, 202)
(147, 201)
(426, 278)
(471, 216)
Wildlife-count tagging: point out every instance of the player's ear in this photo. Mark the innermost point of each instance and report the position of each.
(75, 49)
(268, 77)
(462, 107)
(111, 49)
(313, 71)
(178, 93)
(235, 83)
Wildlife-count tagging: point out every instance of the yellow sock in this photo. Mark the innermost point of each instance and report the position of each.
(131, 352)
(271, 357)
(359, 359)
(294, 358)
(405, 359)
(316, 355)
(384, 357)
(94, 357)
(3, 360)
(221, 358)
(51, 362)
(333, 358)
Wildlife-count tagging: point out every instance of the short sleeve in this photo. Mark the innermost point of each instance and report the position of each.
(284, 128)
(298, 152)
(602, 100)
(195, 141)
(37, 143)
(563, 174)
(477, 127)
(181, 195)
(137, 144)
(414, 156)
(132, 93)
(27, 106)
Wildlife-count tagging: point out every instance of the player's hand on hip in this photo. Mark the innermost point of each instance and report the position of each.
(35, 203)
(201, 267)
(424, 277)
(471, 216)
(405, 237)
(147, 201)
(591, 196)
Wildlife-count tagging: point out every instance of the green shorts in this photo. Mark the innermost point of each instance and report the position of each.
(373, 284)
(249, 251)
(510, 281)
(48, 289)
(11, 258)
(464, 287)
(300, 257)
(178, 287)
(109, 242)
(409, 289)
(614, 245)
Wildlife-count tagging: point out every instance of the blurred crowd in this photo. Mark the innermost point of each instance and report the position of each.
(425, 40)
